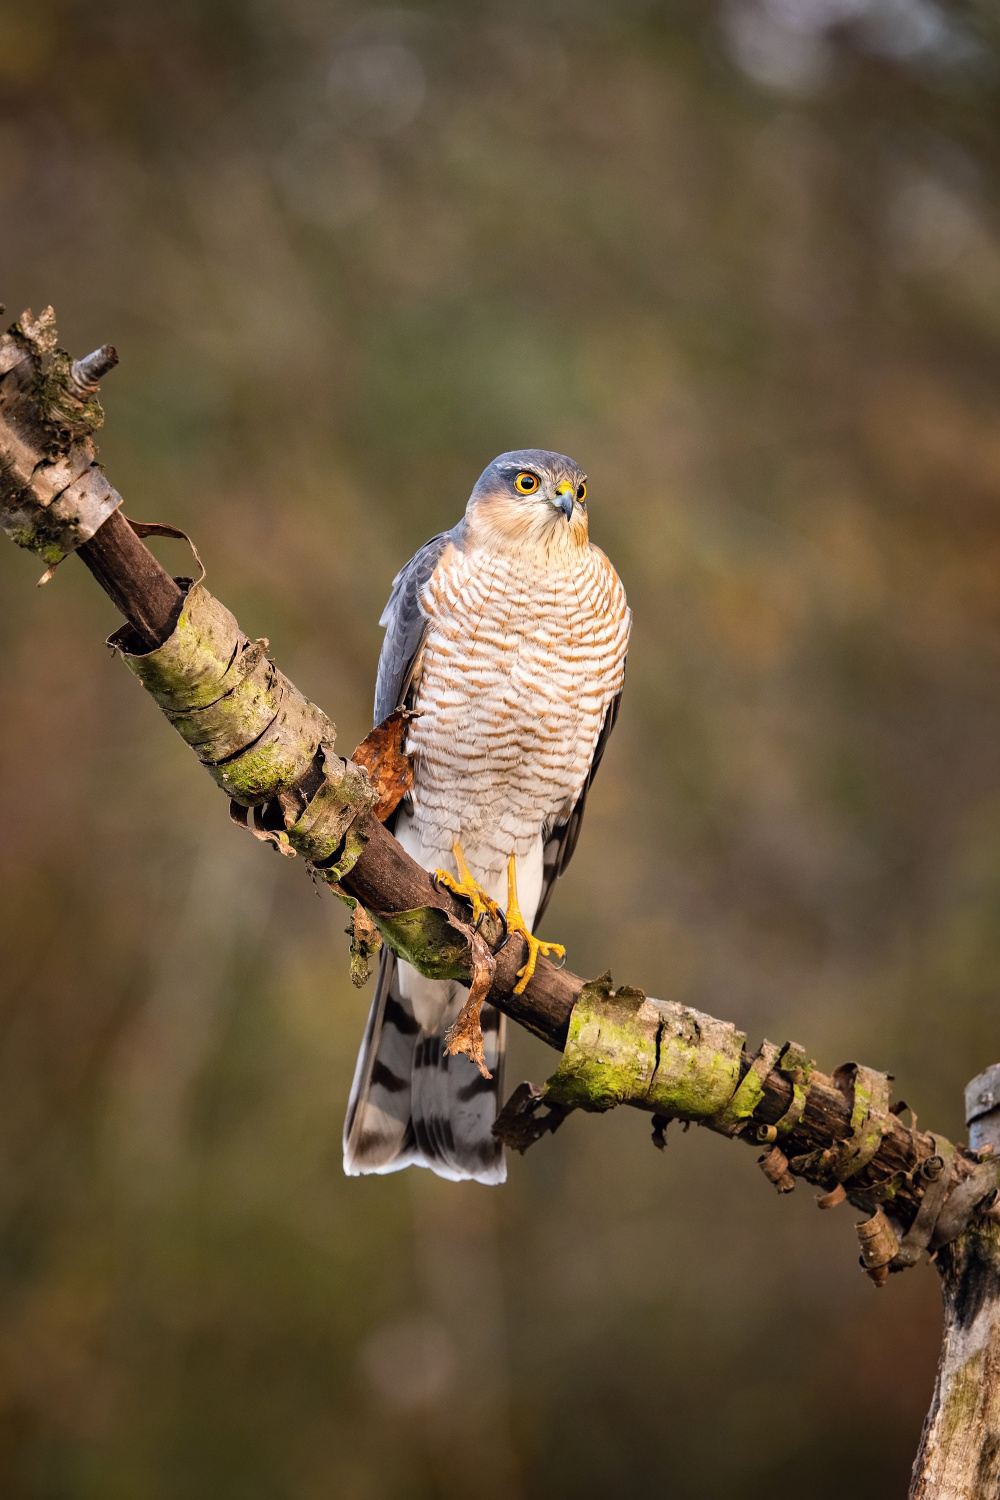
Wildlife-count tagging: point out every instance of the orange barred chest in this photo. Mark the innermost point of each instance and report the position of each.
(519, 667)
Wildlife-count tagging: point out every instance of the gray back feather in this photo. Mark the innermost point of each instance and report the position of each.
(406, 624)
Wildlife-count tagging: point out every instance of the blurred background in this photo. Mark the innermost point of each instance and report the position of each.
(742, 261)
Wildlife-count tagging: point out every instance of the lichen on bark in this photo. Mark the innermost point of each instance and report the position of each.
(959, 1455)
(259, 738)
(427, 938)
(53, 493)
(624, 1048)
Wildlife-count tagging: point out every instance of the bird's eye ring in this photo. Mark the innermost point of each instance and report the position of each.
(526, 483)
(581, 493)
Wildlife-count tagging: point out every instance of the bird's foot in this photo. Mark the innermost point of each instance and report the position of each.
(516, 923)
(468, 888)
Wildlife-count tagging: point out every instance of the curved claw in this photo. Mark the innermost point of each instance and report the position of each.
(535, 947)
(502, 916)
(506, 933)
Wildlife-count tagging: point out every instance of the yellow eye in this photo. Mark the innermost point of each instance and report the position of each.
(526, 483)
(581, 493)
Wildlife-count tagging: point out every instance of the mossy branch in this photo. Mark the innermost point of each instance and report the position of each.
(272, 752)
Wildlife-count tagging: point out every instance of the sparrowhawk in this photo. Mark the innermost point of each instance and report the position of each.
(507, 636)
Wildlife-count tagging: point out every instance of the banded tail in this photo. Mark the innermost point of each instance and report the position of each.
(411, 1105)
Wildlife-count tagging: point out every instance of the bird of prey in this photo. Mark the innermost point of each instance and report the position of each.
(507, 637)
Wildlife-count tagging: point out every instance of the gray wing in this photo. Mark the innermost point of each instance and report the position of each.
(561, 840)
(406, 624)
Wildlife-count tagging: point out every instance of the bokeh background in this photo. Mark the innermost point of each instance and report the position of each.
(742, 260)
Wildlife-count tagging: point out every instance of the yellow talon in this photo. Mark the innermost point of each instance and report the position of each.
(466, 886)
(516, 923)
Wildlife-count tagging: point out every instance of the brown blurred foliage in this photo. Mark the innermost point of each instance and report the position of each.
(743, 263)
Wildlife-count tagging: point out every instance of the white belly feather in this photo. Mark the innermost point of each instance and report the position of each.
(519, 666)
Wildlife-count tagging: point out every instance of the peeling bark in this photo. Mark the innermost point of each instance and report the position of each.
(959, 1454)
(53, 493)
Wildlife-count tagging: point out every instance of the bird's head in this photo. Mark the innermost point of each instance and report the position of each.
(531, 498)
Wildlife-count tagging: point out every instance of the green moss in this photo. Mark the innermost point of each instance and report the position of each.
(870, 1119)
(749, 1093)
(270, 766)
(319, 832)
(697, 1076)
(622, 1047)
(610, 1053)
(222, 693)
(60, 400)
(202, 660)
(425, 938)
(254, 776)
(963, 1401)
(354, 845)
(27, 537)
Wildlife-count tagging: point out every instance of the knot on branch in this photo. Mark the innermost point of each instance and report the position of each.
(53, 493)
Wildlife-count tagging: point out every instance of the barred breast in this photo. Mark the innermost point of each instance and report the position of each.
(519, 666)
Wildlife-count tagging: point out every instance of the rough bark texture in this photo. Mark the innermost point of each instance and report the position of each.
(959, 1455)
(53, 493)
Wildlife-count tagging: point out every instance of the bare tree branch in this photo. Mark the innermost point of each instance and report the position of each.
(273, 753)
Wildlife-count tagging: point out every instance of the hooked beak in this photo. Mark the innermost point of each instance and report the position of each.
(565, 495)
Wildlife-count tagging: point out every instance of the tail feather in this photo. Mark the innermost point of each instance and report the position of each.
(411, 1104)
(378, 1112)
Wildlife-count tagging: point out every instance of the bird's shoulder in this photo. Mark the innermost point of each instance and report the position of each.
(405, 622)
(404, 596)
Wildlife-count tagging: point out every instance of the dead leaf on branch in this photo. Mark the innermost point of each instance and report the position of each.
(389, 768)
(466, 1036)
